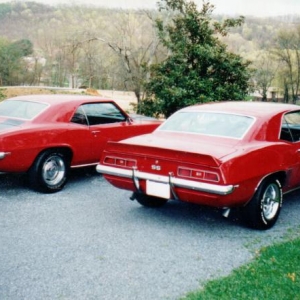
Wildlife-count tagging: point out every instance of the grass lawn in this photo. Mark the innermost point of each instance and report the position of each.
(274, 274)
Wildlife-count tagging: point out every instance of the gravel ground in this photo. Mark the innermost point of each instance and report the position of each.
(90, 242)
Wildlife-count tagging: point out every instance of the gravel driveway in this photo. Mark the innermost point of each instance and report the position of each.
(90, 242)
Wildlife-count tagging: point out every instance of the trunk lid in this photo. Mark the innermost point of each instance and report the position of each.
(175, 147)
(6, 124)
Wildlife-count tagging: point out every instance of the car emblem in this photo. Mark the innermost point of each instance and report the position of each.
(156, 166)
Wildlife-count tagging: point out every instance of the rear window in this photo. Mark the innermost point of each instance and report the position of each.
(21, 109)
(209, 123)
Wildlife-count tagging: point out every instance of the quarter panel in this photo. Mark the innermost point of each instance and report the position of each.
(24, 145)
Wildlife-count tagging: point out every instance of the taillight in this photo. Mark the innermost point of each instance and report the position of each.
(109, 160)
(184, 172)
(122, 162)
(130, 163)
(210, 176)
(198, 174)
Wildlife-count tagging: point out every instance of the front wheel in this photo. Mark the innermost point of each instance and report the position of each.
(263, 210)
(49, 172)
(150, 201)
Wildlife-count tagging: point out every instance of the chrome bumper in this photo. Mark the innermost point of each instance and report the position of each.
(135, 175)
(4, 154)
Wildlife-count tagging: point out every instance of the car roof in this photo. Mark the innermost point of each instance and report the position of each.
(255, 109)
(61, 98)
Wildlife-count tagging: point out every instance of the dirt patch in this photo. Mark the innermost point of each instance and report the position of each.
(9, 92)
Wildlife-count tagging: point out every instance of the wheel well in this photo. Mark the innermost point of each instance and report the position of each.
(281, 176)
(67, 152)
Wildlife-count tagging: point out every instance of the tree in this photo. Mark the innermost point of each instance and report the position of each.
(198, 68)
(24, 47)
(12, 63)
(265, 71)
(134, 41)
(288, 52)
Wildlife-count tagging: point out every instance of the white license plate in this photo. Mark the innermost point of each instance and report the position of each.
(158, 189)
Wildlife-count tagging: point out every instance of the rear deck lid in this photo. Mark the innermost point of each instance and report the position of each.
(9, 123)
(178, 147)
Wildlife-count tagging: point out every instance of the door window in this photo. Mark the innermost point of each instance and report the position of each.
(98, 113)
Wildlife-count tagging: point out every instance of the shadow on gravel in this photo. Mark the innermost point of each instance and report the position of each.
(20, 181)
(190, 215)
(174, 212)
(13, 181)
(186, 215)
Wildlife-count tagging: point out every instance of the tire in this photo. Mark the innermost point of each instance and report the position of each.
(264, 208)
(49, 172)
(150, 201)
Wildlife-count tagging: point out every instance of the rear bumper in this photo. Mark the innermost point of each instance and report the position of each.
(136, 175)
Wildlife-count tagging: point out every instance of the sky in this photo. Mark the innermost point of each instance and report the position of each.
(259, 8)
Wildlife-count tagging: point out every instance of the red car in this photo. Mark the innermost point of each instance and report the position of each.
(45, 135)
(225, 155)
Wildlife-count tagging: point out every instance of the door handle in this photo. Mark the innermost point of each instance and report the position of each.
(96, 132)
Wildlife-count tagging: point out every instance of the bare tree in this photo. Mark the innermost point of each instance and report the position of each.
(266, 68)
(288, 52)
(134, 40)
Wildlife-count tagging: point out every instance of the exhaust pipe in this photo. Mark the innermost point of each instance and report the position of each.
(226, 212)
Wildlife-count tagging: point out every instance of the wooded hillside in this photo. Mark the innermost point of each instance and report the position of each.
(111, 49)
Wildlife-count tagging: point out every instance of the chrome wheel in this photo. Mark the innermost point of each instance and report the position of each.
(49, 172)
(54, 170)
(264, 208)
(271, 201)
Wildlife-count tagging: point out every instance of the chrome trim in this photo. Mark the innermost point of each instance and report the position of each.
(172, 187)
(135, 179)
(4, 154)
(84, 165)
(172, 181)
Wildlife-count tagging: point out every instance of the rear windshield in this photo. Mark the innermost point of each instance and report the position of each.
(209, 123)
(21, 109)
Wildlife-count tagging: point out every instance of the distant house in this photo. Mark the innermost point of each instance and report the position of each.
(273, 95)
(32, 61)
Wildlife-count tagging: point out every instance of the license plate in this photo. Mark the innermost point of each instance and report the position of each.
(158, 189)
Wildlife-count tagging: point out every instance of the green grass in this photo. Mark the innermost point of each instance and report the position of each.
(2, 96)
(274, 274)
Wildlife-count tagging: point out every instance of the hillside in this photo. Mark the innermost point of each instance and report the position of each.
(110, 49)
(27, 19)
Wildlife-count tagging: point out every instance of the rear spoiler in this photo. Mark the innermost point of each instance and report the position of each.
(163, 153)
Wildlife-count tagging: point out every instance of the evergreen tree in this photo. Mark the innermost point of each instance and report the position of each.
(12, 65)
(199, 68)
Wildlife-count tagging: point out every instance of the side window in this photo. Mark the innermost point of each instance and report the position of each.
(102, 113)
(79, 117)
(290, 128)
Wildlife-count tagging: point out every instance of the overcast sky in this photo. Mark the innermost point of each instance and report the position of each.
(231, 7)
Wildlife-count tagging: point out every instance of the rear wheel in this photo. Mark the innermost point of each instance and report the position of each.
(150, 201)
(49, 172)
(263, 210)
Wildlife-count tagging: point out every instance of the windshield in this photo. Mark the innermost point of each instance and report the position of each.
(21, 109)
(209, 123)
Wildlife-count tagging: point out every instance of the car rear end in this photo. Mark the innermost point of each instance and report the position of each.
(165, 173)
